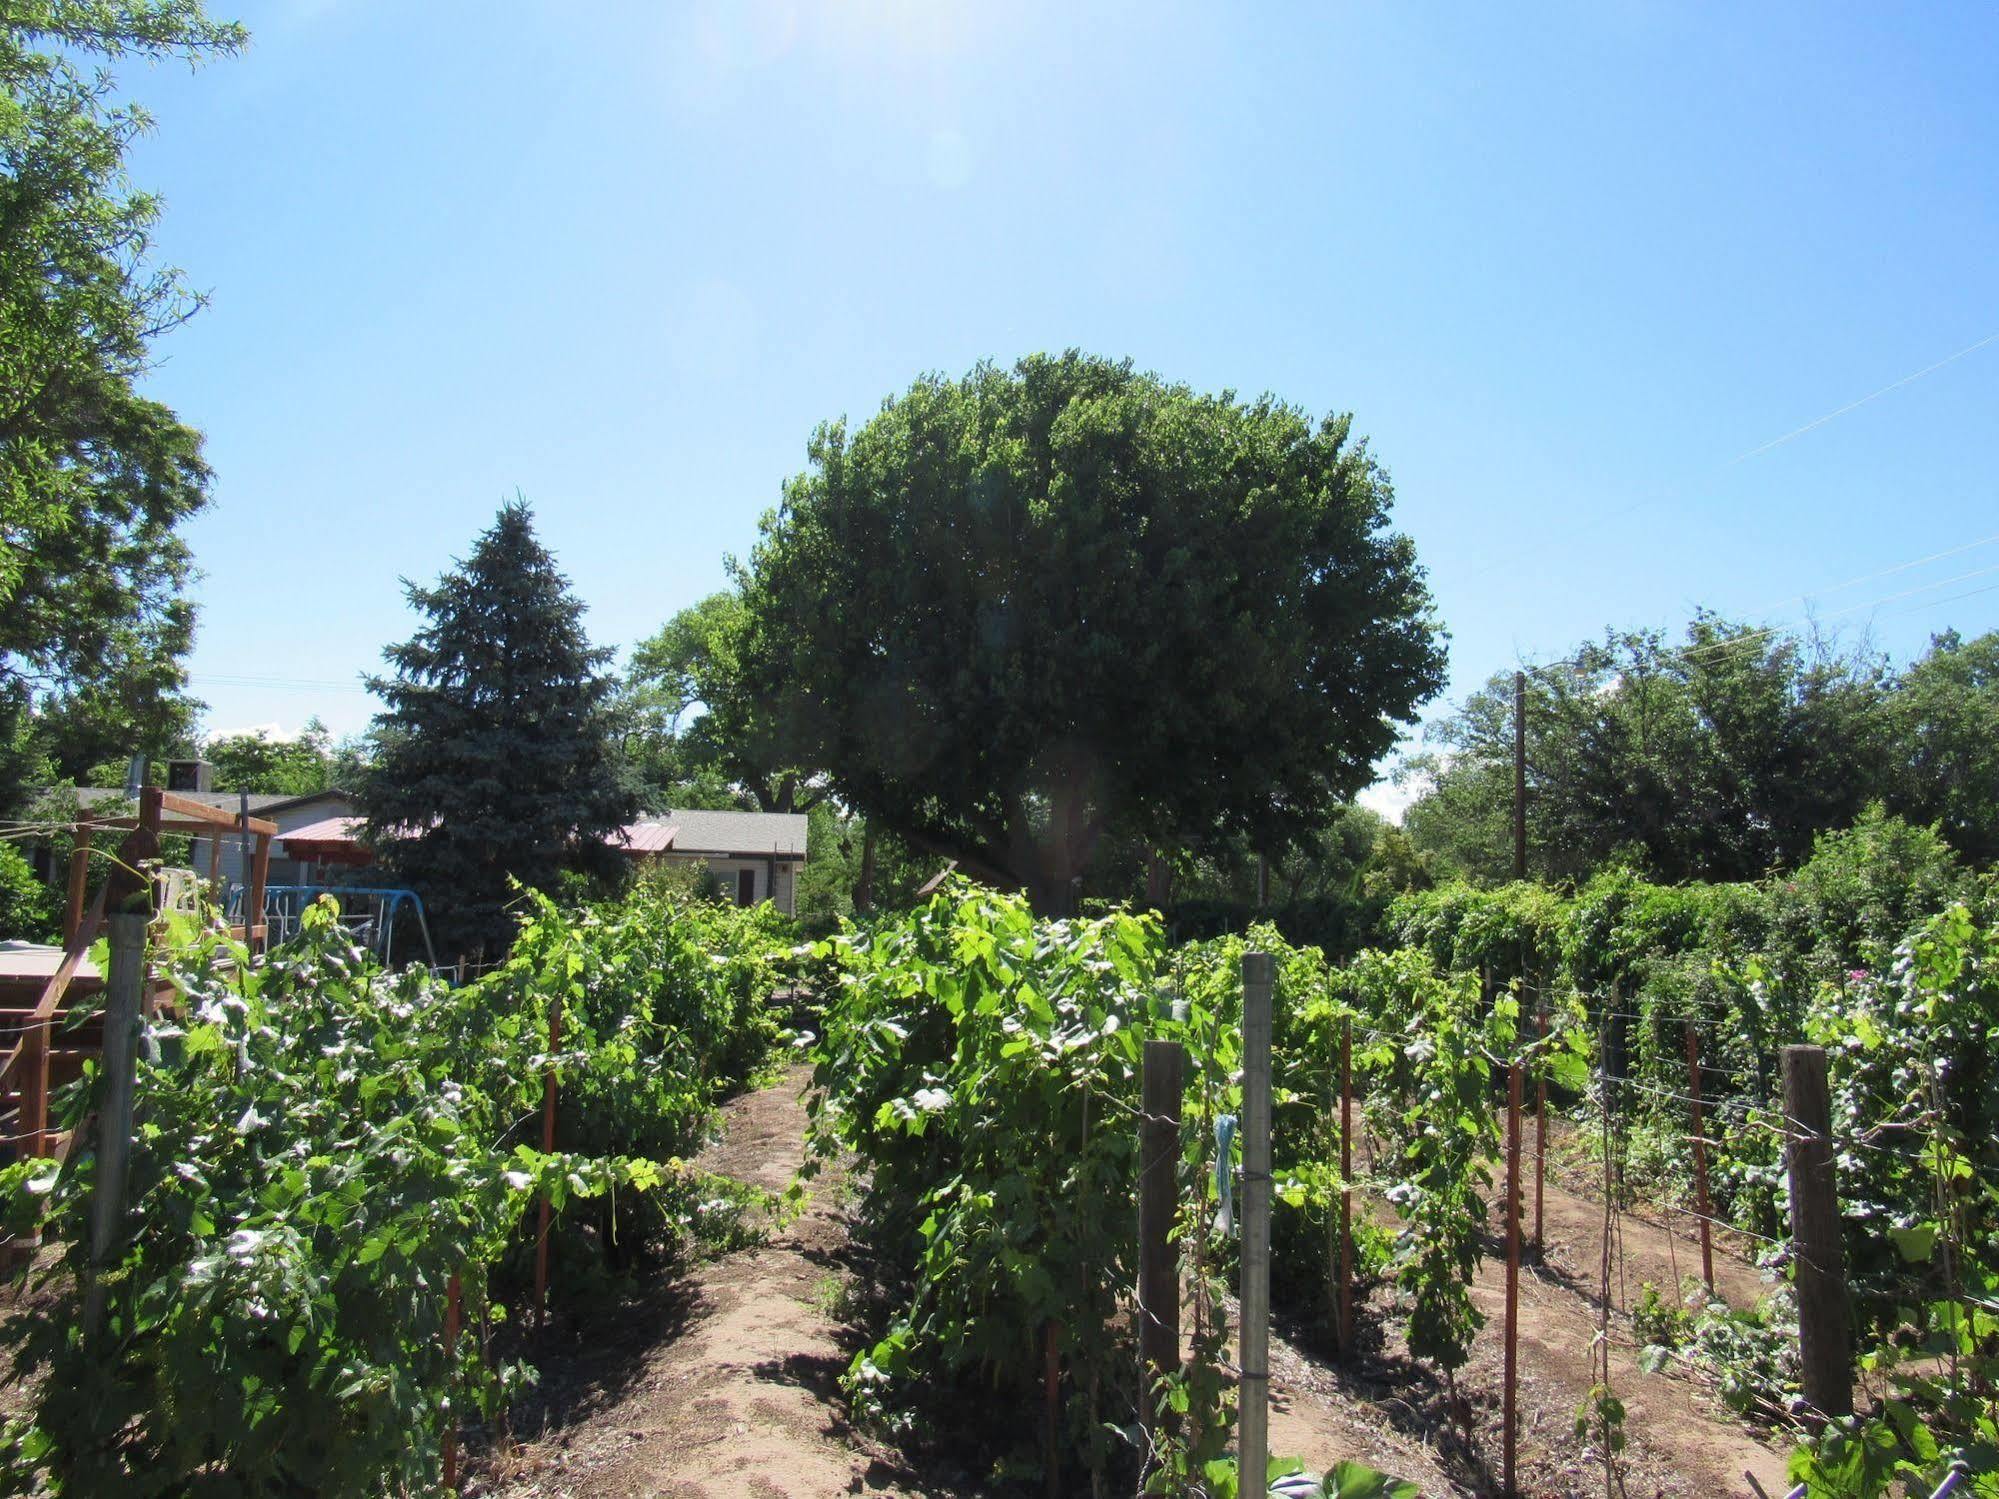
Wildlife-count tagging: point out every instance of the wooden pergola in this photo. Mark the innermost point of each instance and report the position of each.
(25, 1068)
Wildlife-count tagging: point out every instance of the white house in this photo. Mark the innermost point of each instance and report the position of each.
(290, 813)
(755, 855)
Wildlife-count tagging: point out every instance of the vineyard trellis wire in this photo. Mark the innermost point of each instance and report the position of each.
(963, 1039)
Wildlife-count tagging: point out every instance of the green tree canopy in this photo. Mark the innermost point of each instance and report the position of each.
(495, 756)
(1944, 743)
(1015, 612)
(708, 731)
(1721, 758)
(94, 478)
(271, 763)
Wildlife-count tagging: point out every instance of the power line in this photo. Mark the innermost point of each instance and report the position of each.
(1718, 650)
(1776, 442)
(1723, 646)
(1813, 425)
(1935, 603)
(1886, 572)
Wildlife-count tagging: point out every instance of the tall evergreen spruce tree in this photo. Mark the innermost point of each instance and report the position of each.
(496, 755)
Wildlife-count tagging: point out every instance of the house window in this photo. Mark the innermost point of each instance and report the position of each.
(746, 887)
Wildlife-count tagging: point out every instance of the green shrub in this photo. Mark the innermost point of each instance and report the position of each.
(322, 1148)
(29, 910)
(984, 1066)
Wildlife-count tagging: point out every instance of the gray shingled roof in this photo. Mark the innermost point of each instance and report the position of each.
(226, 801)
(782, 833)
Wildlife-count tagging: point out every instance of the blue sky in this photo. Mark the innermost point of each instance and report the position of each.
(1567, 269)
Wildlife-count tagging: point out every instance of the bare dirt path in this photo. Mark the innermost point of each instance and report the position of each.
(1681, 1440)
(722, 1383)
(725, 1381)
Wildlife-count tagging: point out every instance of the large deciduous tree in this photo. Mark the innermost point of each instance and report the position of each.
(694, 663)
(495, 756)
(1017, 611)
(94, 478)
(1944, 742)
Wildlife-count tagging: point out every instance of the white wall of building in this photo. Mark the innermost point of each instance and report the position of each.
(729, 871)
(282, 871)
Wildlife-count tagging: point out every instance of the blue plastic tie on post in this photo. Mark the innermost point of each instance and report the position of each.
(1224, 1175)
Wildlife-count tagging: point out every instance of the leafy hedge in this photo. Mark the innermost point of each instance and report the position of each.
(666, 1008)
(1915, 1085)
(1883, 949)
(985, 1066)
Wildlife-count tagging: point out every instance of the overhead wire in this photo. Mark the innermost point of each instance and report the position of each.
(1749, 642)
(1776, 442)
(1886, 572)
(1889, 389)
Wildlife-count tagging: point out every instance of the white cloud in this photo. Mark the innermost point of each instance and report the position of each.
(1390, 799)
(273, 730)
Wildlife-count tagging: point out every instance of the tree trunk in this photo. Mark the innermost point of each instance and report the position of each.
(864, 885)
(1158, 879)
(1053, 896)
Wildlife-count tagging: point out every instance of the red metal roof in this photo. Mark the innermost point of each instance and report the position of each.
(326, 830)
(644, 837)
(331, 840)
(335, 839)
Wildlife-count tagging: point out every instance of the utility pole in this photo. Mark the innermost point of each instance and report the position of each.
(1520, 775)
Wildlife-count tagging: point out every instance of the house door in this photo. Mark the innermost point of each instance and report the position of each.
(746, 887)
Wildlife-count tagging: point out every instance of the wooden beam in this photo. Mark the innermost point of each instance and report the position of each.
(253, 899)
(33, 1088)
(79, 881)
(201, 812)
(72, 957)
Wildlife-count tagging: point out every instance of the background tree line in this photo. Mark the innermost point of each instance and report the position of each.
(1720, 758)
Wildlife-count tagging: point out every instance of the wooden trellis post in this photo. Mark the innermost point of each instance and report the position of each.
(1700, 1157)
(123, 987)
(1253, 1421)
(1824, 1337)
(1509, 1413)
(1540, 1119)
(1158, 1266)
